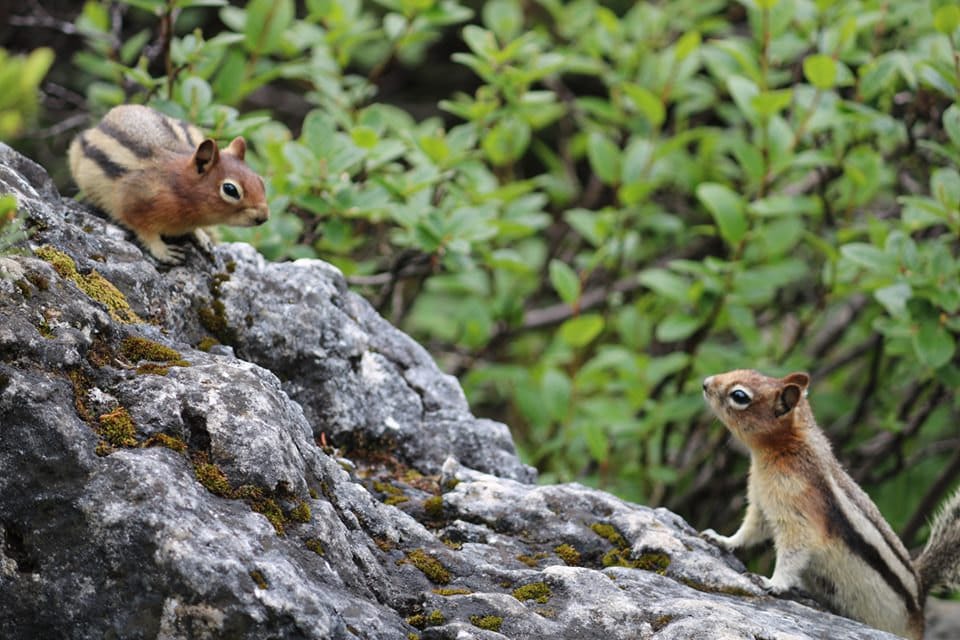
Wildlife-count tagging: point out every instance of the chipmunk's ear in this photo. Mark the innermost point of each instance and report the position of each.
(206, 156)
(794, 386)
(237, 147)
(800, 379)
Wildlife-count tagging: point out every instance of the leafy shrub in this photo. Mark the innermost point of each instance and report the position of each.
(19, 78)
(625, 199)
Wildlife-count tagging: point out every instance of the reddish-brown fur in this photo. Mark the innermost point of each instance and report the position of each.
(176, 199)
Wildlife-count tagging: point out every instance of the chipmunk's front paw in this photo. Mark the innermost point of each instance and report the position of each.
(170, 255)
(787, 591)
(162, 252)
(203, 242)
(724, 542)
(769, 585)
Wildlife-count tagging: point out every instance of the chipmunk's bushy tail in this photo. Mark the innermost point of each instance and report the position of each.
(939, 562)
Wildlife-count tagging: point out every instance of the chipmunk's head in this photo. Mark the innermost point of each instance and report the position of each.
(232, 192)
(760, 410)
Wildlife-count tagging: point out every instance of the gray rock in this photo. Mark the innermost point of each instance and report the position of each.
(313, 476)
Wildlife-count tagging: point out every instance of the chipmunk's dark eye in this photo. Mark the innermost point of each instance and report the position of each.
(740, 397)
(230, 190)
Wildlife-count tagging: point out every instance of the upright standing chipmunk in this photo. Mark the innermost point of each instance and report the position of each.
(160, 176)
(830, 538)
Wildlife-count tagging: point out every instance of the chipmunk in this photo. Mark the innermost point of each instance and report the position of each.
(161, 177)
(830, 539)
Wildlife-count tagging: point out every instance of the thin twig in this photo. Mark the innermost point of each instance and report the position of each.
(866, 394)
(66, 124)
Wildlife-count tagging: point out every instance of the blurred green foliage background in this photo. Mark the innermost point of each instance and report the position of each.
(583, 208)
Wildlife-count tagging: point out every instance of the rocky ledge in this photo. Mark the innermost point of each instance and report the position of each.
(243, 449)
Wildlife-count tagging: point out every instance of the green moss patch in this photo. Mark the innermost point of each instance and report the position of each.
(211, 476)
(164, 440)
(620, 555)
(538, 591)
(490, 623)
(423, 620)
(610, 533)
(656, 562)
(136, 348)
(301, 512)
(81, 385)
(213, 317)
(269, 509)
(117, 428)
(429, 566)
(207, 343)
(93, 284)
(257, 576)
(532, 560)
(568, 554)
(433, 506)
(315, 545)
(452, 591)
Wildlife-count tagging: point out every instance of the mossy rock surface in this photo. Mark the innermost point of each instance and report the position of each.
(200, 518)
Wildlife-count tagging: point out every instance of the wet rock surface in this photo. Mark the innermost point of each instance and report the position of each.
(239, 449)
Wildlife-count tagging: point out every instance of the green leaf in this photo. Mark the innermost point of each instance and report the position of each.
(945, 187)
(413, 7)
(868, 257)
(557, 390)
(565, 281)
(581, 330)
(820, 70)
(727, 208)
(932, 343)
(784, 206)
(666, 283)
(604, 158)
(598, 442)
(743, 92)
(647, 103)
(946, 19)
(687, 44)
(637, 160)
(504, 18)
(677, 326)
(436, 148)
(951, 123)
(395, 25)
(894, 298)
(35, 67)
(769, 103)
(364, 137)
(266, 22)
(481, 42)
(196, 94)
(94, 16)
(506, 141)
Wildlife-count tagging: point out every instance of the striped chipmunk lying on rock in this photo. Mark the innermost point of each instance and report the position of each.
(830, 539)
(161, 177)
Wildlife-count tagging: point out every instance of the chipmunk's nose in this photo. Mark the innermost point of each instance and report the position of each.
(706, 382)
